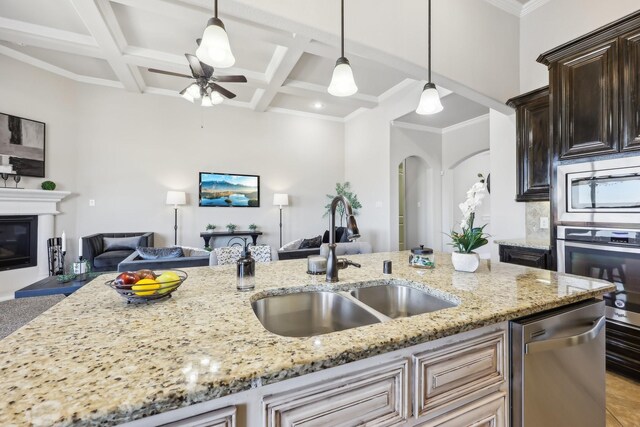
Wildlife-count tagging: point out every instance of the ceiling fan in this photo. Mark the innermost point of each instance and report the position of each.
(205, 86)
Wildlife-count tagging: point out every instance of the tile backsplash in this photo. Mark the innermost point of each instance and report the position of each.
(535, 211)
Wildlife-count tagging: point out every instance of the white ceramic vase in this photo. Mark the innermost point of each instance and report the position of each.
(465, 262)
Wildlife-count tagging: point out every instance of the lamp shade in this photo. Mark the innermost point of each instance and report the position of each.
(176, 198)
(215, 49)
(429, 100)
(342, 82)
(280, 199)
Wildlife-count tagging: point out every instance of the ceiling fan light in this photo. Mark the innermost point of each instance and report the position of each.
(194, 91)
(215, 49)
(206, 101)
(342, 81)
(429, 100)
(186, 95)
(216, 98)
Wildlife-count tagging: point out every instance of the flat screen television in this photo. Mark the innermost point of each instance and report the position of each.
(229, 190)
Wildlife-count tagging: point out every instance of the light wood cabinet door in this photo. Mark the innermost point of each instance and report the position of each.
(376, 397)
(225, 417)
(462, 371)
(490, 411)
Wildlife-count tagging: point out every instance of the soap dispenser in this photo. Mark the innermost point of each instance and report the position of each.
(246, 271)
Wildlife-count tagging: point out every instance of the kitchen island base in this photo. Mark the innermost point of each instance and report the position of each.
(458, 380)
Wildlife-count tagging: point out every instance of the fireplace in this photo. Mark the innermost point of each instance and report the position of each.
(18, 241)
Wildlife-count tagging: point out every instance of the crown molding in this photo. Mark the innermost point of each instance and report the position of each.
(532, 5)
(413, 126)
(466, 123)
(305, 114)
(510, 6)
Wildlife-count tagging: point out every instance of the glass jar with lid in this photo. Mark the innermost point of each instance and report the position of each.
(422, 257)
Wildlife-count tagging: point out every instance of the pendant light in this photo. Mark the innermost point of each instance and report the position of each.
(214, 49)
(430, 98)
(342, 82)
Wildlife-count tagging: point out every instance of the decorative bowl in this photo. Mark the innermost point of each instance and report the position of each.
(138, 293)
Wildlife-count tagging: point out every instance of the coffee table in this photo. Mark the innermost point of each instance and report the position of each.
(51, 286)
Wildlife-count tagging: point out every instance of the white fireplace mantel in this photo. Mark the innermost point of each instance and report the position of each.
(42, 203)
(30, 202)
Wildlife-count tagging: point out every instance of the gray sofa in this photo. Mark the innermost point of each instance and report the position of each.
(93, 250)
(196, 259)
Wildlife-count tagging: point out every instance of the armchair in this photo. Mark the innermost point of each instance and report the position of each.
(104, 259)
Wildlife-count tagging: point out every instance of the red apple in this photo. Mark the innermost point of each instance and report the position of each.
(146, 274)
(126, 280)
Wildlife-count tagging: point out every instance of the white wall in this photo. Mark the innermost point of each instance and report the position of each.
(126, 150)
(557, 22)
(507, 215)
(418, 223)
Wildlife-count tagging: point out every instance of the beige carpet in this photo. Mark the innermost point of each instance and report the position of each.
(623, 401)
(17, 312)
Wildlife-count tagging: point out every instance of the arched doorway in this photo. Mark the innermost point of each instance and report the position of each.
(413, 206)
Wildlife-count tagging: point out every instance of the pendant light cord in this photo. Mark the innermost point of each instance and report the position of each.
(429, 42)
(341, 28)
(215, 3)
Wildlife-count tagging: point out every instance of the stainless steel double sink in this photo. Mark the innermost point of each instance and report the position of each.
(317, 312)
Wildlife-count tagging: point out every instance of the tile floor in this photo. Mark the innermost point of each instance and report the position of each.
(623, 401)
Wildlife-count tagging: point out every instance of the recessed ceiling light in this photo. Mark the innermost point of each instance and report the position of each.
(318, 105)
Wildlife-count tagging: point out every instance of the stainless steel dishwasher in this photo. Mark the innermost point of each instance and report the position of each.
(558, 368)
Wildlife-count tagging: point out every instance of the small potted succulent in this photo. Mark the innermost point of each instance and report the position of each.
(48, 185)
(253, 227)
(231, 227)
(210, 227)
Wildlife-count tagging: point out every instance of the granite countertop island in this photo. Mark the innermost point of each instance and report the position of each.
(94, 360)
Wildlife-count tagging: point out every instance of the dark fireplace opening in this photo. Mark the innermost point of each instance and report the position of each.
(18, 241)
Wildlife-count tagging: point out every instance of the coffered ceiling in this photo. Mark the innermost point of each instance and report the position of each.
(113, 42)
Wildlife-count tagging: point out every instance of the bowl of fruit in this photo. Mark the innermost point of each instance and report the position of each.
(147, 285)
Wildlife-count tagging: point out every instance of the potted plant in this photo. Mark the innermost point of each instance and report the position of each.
(253, 227)
(464, 258)
(343, 190)
(231, 227)
(48, 185)
(210, 227)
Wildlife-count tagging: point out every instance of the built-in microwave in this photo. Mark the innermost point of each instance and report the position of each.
(602, 191)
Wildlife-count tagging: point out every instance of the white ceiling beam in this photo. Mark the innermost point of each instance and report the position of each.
(149, 58)
(99, 18)
(38, 63)
(25, 33)
(305, 89)
(199, 13)
(282, 63)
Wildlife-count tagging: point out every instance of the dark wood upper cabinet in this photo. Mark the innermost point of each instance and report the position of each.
(594, 86)
(533, 148)
(630, 76)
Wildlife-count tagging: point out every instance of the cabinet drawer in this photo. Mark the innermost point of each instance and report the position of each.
(459, 371)
(527, 257)
(375, 397)
(490, 411)
(225, 417)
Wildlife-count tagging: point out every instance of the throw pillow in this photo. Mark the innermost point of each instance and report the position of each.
(261, 253)
(314, 242)
(291, 246)
(120, 243)
(160, 253)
